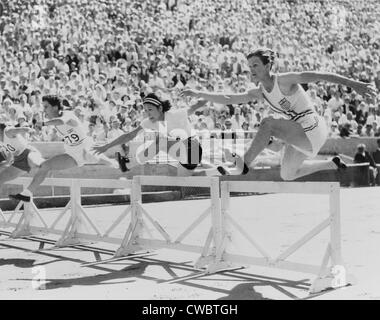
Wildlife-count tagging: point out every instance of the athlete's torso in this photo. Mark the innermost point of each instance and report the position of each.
(15, 145)
(72, 136)
(294, 106)
(176, 124)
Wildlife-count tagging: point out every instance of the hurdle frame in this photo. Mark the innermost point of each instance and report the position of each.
(71, 235)
(134, 240)
(327, 277)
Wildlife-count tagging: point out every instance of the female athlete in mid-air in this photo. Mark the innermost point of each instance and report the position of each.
(301, 129)
(175, 134)
(77, 146)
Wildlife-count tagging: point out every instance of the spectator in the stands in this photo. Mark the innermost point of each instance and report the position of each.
(363, 156)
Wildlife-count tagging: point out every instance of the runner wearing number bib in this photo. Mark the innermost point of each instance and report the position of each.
(16, 155)
(77, 146)
(76, 142)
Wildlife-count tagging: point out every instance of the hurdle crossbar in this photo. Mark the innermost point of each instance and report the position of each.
(325, 277)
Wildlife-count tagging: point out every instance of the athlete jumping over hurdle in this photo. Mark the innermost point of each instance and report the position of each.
(302, 130)
(77, 145)
(16, 155)
(174, 129)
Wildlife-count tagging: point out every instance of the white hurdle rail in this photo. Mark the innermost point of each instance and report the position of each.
(134, 240)
(332, 277)
(71, 235)
(214, 253)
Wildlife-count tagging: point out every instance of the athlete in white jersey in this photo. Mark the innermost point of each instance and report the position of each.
(302, 129)
(77, 145)
(17, 156)
(176, 137)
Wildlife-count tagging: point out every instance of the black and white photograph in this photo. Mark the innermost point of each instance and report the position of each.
(204, 152)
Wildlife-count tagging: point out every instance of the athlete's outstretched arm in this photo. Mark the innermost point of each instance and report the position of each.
(363, 88)
(12, 132)
(224, 98)
(195, 106)
(124, 138)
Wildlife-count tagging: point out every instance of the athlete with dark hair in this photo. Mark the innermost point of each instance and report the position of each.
(301, 128)
(175, 134)
(77, 145)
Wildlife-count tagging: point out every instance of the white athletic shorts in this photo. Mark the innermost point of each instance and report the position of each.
(316, 130)
(82, 153)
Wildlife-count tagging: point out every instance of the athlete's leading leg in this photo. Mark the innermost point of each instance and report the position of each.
(9, 173)
(295, 165)
(288, 131)
(59, 162)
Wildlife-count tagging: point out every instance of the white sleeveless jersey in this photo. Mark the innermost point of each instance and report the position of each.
(294, 107)
(72, 136)
(15, 145)
(176, 124)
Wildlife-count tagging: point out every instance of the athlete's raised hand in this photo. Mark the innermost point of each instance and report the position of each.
(366, 90)
(189, 93)
(100, 149)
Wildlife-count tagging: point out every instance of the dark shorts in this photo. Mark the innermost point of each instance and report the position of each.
(2, 157)
(194, 154)
(21, 161)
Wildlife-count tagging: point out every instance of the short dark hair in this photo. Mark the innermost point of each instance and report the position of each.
(265, 55)
(152, 98)
(53, 100)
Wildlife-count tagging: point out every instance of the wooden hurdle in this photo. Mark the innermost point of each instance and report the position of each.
(214, 254)
(332, 276)
(134, 239)
(79, 219)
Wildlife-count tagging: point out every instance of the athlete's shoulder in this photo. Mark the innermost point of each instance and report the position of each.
(69, 116)
(177, 111)
(146, 124)
(255, 91)
(288, 80)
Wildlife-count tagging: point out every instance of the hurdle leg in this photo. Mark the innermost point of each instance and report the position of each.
(70, 234)
(211, 258)
(337, 276)
(23, 228)
(204, 259)
(130, 243)
(220, 263)
(3, 221)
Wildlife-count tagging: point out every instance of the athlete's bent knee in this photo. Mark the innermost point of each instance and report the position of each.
(267, 124)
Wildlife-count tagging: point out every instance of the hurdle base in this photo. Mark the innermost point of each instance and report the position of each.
(221, 266)
(331, 281)
(21, 233)
(72, 242)
(129, 250)
(204, 261)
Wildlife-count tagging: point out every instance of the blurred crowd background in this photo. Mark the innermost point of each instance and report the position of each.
(103, 56)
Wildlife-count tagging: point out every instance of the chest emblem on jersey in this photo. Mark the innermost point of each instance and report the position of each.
(285, 104)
